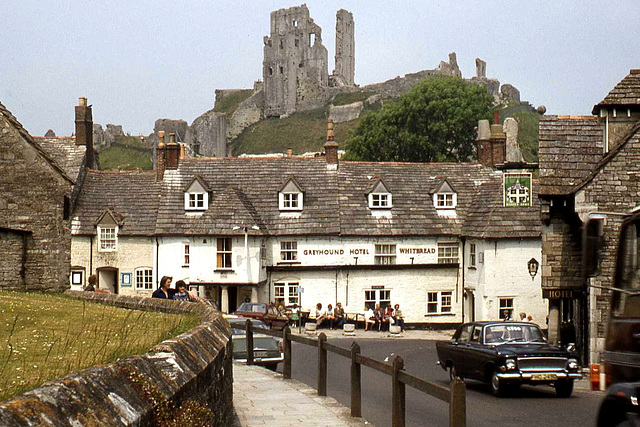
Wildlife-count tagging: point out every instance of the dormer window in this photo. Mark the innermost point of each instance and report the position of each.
(291, 196)
(107, 227)
(380, 196)
(445, 196)
(196, 195)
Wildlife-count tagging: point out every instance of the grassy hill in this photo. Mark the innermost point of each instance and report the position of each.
(302, 132)
(126, 153)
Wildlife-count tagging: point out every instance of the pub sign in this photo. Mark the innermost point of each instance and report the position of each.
(517, 189)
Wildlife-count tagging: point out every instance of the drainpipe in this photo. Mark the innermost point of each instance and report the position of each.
(463, 276)
(90, 255)
(157, 256)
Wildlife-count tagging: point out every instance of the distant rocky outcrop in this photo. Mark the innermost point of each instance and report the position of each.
(207, 135)
(104, 138)
(50, 134)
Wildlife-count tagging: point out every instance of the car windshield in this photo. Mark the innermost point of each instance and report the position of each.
(238, 325)
(512, 333)
(252, 307)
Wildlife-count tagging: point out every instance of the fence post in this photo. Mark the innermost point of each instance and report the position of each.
(356, 383)
(458, 404)
(249, 335)
(397, 394)
(322, 365)
(286, 342)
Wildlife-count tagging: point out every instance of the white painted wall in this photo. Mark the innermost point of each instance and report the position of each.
(504, 273)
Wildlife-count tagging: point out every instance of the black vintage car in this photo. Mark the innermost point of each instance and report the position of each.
(506, 355)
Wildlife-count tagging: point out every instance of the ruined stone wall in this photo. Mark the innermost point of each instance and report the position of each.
(345, 113)
(207, 135)
(32, 201)
(247, 113)
(345, 48)
(195, 366)
(295, 61)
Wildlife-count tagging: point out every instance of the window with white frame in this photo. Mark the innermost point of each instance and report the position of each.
(289, 251)
(291, 201)
(472, 255)
(287, 293)
(380, 201)
(385, 254)
(445, 200)
(506, 304)
(224, 253)
(108, 238)
(447, 252)
(144, 278)
(196, 201)
(187, 255)
(439, 302)
(377, 296)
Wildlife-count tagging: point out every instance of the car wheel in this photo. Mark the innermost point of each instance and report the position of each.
(272, 367)
(498, 386)
(453, 374)
(564, 388)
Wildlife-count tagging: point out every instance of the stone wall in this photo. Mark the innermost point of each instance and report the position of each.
(195, 366)
(32, 204)
(248, 112)
(345, 113)
(207, 135)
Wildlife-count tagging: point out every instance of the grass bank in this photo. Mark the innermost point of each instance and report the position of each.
(45, 336)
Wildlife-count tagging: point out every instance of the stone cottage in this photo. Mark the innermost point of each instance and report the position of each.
(588, 171)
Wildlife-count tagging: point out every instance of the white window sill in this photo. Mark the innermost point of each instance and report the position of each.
(439, 314)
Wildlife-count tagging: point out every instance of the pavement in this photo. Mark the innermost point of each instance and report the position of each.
(263, 398)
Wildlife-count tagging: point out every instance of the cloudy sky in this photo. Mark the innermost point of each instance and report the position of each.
(160, 58)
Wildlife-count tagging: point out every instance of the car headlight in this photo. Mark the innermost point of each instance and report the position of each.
(510, 364)
(572, 364)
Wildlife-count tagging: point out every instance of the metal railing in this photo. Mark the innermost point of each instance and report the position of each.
(454, 395)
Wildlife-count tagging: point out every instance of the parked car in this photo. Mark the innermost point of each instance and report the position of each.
(267, 350)
(506, 355)
(269, 314)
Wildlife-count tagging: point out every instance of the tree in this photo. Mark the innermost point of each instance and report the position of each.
(433, 122)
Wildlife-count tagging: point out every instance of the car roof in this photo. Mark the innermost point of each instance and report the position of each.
(498, 322)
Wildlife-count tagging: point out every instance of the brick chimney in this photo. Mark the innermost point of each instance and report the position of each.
(161, 153)
(331, 148)
(84, 131)
(491, 142)
(173, 153)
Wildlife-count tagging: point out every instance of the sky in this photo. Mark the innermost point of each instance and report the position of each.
(137, 61)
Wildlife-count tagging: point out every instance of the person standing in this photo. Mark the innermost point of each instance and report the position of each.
(164, 291)
(507, 316)
(378, 315)
(523, 317)
(93, 283)
(181, 293)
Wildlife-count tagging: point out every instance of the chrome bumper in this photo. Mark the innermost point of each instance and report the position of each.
(526, 376)
(263, 360)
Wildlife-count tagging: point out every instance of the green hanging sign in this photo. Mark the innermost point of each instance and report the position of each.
(517, 189)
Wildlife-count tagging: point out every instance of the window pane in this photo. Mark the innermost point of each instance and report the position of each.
(224, 252)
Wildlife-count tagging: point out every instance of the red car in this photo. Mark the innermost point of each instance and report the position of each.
(269, 314)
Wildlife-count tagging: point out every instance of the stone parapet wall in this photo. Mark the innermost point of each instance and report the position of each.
(195, 366)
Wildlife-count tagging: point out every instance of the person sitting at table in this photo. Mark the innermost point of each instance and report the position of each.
(378, 314)
(339, 316)
(328, 315)
(398, 317)
(369, 319)
(319, 315)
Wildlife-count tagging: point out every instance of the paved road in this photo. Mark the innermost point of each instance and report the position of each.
(530, 406)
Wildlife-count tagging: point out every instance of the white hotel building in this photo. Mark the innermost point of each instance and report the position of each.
(435, 238)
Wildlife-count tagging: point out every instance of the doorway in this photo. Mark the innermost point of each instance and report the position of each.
(108, 279)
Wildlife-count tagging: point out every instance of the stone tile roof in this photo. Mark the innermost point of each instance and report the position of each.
(29, 139)
(626, 93)
(132, 196)
(570, 147)
(65, 152)
(490, 219)
(244, 192)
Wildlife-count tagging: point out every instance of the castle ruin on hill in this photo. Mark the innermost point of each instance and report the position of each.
(295, 78)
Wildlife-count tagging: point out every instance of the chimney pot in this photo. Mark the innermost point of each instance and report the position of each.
(496, 117)
(82, 101)
(289, 152)
(160, 139)
(172, 138)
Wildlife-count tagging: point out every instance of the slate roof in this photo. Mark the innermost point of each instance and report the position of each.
(132, 196)
(570, 147)
(626, 93)
(244, 192)
(490, 219)
(65, 152)
(29, 139)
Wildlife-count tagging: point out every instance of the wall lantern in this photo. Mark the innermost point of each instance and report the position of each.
(533, 267)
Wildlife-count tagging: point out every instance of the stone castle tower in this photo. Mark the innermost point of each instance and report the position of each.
(345, 48)
(295, 66)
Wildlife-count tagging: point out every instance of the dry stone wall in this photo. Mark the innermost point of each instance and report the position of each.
(195, 366)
